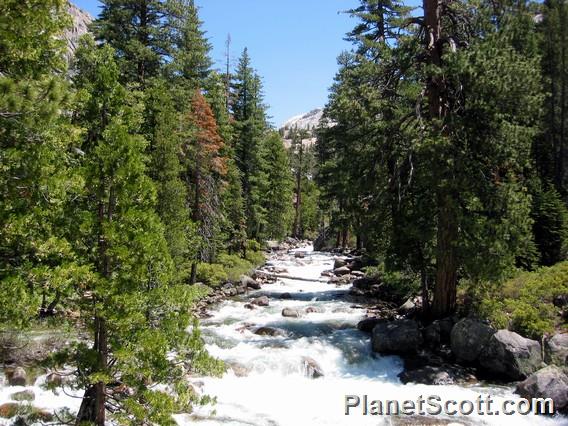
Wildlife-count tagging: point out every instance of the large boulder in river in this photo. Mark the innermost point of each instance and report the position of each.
(261, 301)
(366, 325)
(269, 331)
(556, 350)
(468, 337)
(344, 270)
(339, 262)
(550, 382)
(511, 355)
(291, 313)
(249, 282)
(311, 368)
(17, 377)
(397, 337)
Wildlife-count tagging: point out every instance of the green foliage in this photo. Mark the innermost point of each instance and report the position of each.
(524, 303)
(550, 226)
(277, 194)
(397, 285)
(30, 37)
(212, 274)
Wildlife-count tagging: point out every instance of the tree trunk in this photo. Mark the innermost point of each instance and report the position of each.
(93, 405)
(446, 260)
(444, 302)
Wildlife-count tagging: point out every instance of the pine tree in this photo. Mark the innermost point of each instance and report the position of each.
(138, 314)
(38, 155)
(190, 60)
(551, 149)
(233, 226)
(162, 119)
(250, 125)
(139, 32)
(277, 198)
(205, 168)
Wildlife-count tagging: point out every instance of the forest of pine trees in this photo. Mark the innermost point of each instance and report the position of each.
(124, 179)
(442, 150)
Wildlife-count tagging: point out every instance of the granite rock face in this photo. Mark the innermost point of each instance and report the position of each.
(80, 27)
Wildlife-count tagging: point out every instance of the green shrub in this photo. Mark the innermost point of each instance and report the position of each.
(212, 274)
(524, 303)
(398, 285)
(256, 258)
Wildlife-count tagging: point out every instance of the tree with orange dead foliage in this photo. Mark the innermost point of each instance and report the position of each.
(205, 171)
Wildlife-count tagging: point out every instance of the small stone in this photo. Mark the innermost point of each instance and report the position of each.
(285, 296)
(261, 301)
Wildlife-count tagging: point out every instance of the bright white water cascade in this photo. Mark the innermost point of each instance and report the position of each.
(276, 391)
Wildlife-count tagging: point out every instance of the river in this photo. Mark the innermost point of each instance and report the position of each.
(276, 390)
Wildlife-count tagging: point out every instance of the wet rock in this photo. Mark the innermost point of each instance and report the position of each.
(397, 337)
(339, 263)
(344, 270)
(26, 395)
(445, 325)
(261, 301)
(311, 368)
(366, 325)
(291, 313)
(269, 331)
(556, 350)
(285, 296)
(239, 369)
(327, 273)
(249, 282)
(17, 377)
(358, 274)
(428, 375)
(9, 410)
(468, 338)
(249, 306)
(549, 382)
(314, 310)
(432, 335)
(510, 355)
(411, 305)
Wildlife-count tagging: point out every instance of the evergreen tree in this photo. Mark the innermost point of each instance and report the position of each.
(166, 170)
(277, 200)
(551, 148)
(250, 125)
(38, 157)
(139, 31)
(205, 168)
(233, 225)
(138, 314)
(190, 58)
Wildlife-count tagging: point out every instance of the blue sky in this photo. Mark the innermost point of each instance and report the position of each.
(293, 45)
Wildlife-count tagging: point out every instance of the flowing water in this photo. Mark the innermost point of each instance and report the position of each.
(275, 390)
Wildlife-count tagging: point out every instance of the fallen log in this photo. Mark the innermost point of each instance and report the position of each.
(289, 277)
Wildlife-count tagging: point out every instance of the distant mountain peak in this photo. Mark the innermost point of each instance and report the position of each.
(307, 121)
